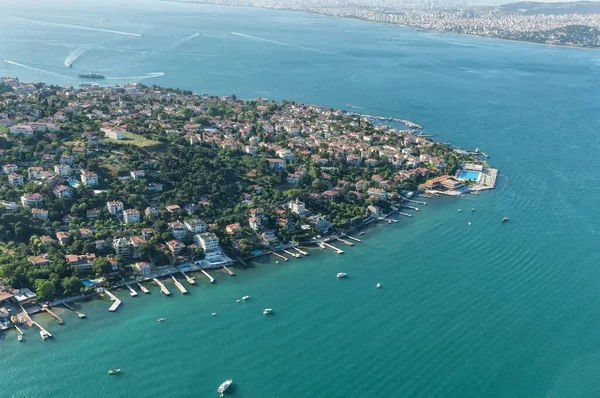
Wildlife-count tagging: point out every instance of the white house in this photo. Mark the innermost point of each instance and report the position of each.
(15, 179)
(297, 207)
(208, 241)
(62, 170)
(22, 129)
(254, 223)
(195, 225)
(9, 168)
(143, 267)
(131, 216)
(177, 229)
(31, 199)
(115, 134)
(63, 191)
(114, 207)
(40, 213)
(35, 172)
(89, 179)
(137, 174)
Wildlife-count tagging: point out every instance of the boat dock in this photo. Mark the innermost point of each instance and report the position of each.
(353, 238)
(344, 241)
(321, 245)
(405, 214)
(179, 286)
(143, 288)
(53, 314)
(415, 201)
(339, 251)
(19, 330)
(230, 272)
(81, 315)
(116, 303)
(284, 258)
(41, 328)
(162, 286)
(132, 292)
(301, 251)
(295, 255)
(210, 278)
(410, 207)
(188, 278)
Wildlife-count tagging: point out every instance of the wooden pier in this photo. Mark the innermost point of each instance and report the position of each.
(410, 207)
(344, 241)
(339, 251)
(295, 255)
(179, 286)
(81, 315)
(132, 292)
(49, 311)
(143, 288)
(19, 330)
(284, 258)
(321, 245)
(301, 251)
(34, 323)
(162, 286)
(210, 278)
(188, 278)
(405, 214)
(230, 272)
(415, 201)
(116, 303)
(353, 238)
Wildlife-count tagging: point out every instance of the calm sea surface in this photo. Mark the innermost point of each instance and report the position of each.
(490, 310)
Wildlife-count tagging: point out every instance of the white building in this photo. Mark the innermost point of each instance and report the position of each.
(143, 267)
(62, 170)
(31, 200)
(137, 174)
(40, 213)
(131, 216)
(195, 225)
(63, 191)
(89, 179)
(208, 241)
(114, 134)
(177, 229)
(297, 207)
(114, 207)
(15, 179)
(9, 168)
(22, 129)
(35, 172)
(254, 223)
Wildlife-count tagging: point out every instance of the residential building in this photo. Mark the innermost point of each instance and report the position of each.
(35, 172)
(380, 193)
(15, 179)
(151, 212)
(115, 134)
(254, 223)
(39, 260)
(9, 168)
(177, 229)
(114, 207)
(143, 268)
(63, 191)
(137, 174)
(195, 225)
(40, 213)
(233, 229)
(297, 207)
(131, 216)
(21, 129)
(31, 200)
(63, 237)
(122, 248)
(276, 164)
(89, 179)
(175, 246)
(208, 241)
(62, 170)
(81, 261)
(66, 159)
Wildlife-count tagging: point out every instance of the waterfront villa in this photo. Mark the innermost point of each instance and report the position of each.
(143, 267)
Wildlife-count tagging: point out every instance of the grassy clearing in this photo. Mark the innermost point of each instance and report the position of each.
(137, 140)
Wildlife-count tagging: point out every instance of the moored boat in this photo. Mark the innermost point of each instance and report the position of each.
(224, 386)
(19, 338)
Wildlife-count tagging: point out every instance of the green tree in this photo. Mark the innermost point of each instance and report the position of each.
(44, 289)
(102, 266)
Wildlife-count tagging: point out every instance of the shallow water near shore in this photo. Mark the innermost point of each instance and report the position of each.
(493, 309)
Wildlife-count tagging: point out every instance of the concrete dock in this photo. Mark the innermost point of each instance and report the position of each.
(49, 311)
(116, 303)
(321, 245)
(344, 241)
(295, 255)
(132, 292)
(143, 288)
(210, 278)
(179, 286)
(162, 286)
(284, 258)
(81, 315)
(19, 330)
(405, 214)
(301, 251)
(188, 278)
(353, 238)
(410, 207)
(230, 272)
(339, 251)
(34, 323)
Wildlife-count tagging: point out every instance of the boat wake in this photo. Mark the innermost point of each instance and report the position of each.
(179, 42)
(148, 75)
(37, 69)
(64, 25)
(287, 44)
(71, 58)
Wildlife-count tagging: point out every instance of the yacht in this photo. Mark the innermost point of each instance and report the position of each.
(473, 210)
(245, 298)
(224, 386)
(342, 275)
(113, 371)
(267, 311)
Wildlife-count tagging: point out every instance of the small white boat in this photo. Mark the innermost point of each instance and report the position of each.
(505, 219)
(342, 275)
(19, 338)
(473, 210)
(267, 311)
(469, 222)
(238, 301)
(113, 371)
(460, 210)
(378, 285)
(245, 298)
(277, 262)
(161, 319)
(44, 334)
(213, 314)
(224, 386)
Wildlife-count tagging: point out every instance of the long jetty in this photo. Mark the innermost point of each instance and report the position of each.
(295, 255)
(230, 272)
(41, 328)
(53, 314)
(81, 315)
(339, 251)
(116, 303)
(210, 278)
(132, 292)
(301, 251)
(411, 207)
(284, 258)
(344, 241)
(19, 330)
(162, 286)
(353, 238)
(143, 288)
(179, 286)
(188, 278)
(405, 214)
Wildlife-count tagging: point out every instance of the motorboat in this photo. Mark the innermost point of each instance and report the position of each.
(245, 298)
(267, 311)
(113, 371)
(505, 219)
(213, 314)
(19, 338)
(460, 210)
(44, 335)
(342, 275)
(224, 386)
(469, 222)
(378, 285)
(161, 319)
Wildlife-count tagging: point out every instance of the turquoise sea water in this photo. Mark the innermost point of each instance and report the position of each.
(488, 310)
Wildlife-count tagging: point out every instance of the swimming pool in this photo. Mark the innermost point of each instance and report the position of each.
(469, 175)
(87, 282)
(255, 252)
(184, 266)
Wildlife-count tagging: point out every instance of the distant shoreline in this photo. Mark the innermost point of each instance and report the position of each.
(425, 30)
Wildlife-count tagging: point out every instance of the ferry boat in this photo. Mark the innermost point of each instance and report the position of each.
(113, 371)
(92, 75)
(224, 386)
(342, 275)
(267, 311)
